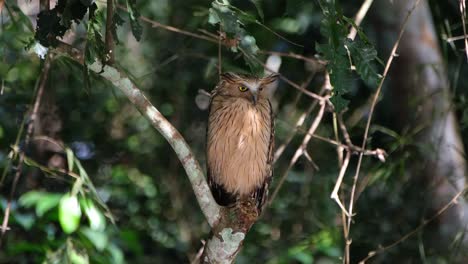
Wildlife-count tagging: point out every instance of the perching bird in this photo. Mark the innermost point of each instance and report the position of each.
(240, 139)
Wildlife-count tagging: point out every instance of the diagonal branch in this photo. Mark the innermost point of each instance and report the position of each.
(210, 208)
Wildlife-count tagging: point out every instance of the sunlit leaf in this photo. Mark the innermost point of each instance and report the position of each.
(47, 202)
(69, 213)
(30, 198)
(42, 201)
(94, 215)
(98, 238)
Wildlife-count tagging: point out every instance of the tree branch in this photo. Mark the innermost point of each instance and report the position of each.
(109, 41)
(209, 207)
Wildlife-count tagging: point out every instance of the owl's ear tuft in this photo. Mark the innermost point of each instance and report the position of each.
(270, 78)
(229, 76)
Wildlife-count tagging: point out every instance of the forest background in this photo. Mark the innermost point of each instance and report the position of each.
(371, 115)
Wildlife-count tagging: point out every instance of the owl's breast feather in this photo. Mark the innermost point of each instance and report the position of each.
(238, 145)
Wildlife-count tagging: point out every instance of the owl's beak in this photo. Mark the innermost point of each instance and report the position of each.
(254, 97)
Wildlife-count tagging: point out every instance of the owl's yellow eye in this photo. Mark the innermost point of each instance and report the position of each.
(242, 88)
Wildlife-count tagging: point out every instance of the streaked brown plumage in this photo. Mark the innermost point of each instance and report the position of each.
(240, 139)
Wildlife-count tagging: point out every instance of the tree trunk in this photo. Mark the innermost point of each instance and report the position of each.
(422, 99)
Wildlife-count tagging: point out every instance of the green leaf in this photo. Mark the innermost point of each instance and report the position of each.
(43, 201)
(258, 5)
(25, 220)
(116, 253)
(302, 254)
(334, 27)
(95, 48)
(363, 56)
(231, 18)
(333, 50)
(70, 158)
(81, 170)
(117, 20)
(339, 102)
(30, 198)
(249, 47)
(94, 215)
(69, 213)
(99, 239)
(220, 12)
(47, 202)
(134, 15)
(76, 256)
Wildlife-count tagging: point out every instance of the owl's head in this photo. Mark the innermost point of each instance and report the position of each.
(245, 86)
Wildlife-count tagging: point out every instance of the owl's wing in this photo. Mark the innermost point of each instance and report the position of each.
(221, 196)
(262, 192)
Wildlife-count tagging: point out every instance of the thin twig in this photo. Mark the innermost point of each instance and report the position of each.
(278, 35)
(339, 150)
(170, 28)
(343, 129)
(452, 39)
(359, 17)
(334, 194)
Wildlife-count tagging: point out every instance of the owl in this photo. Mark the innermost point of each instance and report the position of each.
(240, 139)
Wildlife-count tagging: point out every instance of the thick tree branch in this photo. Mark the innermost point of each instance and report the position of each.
(209, 207)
